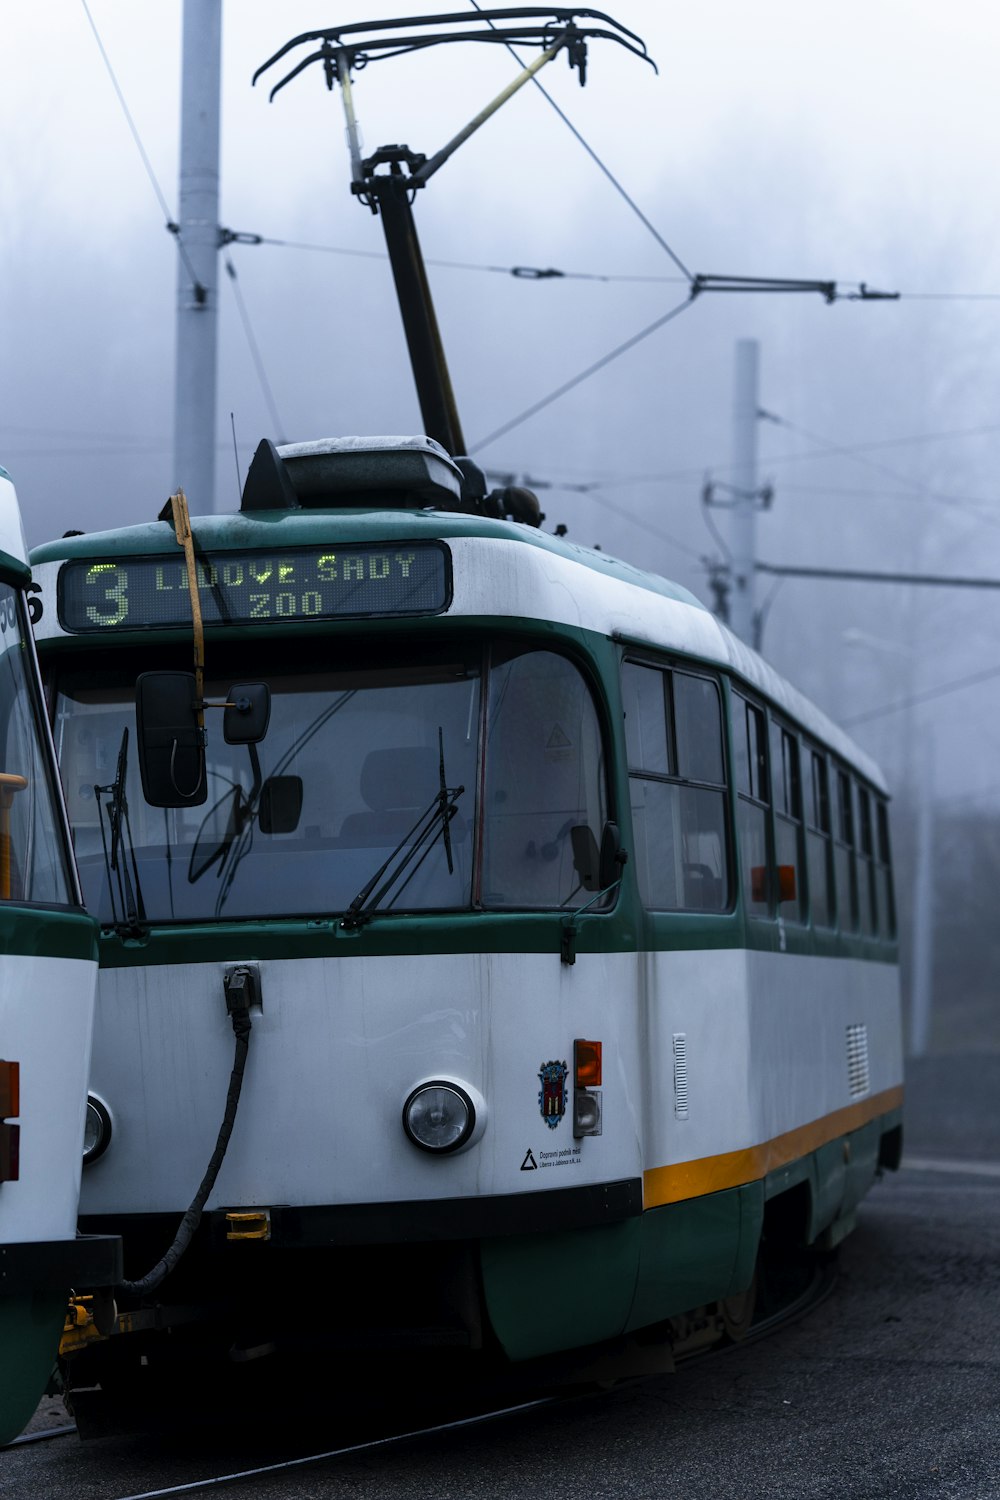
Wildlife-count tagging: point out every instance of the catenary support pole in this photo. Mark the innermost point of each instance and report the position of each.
(922, 952)
(743, 533)
(197, 265)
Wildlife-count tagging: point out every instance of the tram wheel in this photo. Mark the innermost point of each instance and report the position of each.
(737, 1312)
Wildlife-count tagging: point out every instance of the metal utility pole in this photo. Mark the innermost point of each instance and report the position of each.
(197, 267)
(743, 532)
(922, 955)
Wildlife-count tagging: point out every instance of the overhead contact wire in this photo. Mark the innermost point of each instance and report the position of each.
(169, 220)
(569, 385)
(255, 354)
(658, 237)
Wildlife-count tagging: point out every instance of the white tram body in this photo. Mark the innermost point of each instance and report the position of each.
(48, 974)
(748, 1079)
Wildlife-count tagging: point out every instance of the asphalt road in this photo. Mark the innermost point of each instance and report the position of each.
(889, 1388)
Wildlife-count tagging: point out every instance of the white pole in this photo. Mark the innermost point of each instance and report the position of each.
(921, 979)
(197, 265)
(742, 610)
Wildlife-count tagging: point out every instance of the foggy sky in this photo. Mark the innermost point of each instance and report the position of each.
(850, 142)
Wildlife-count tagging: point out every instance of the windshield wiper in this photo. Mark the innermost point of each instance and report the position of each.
(238, 839)
(433, 821)
(132, 923)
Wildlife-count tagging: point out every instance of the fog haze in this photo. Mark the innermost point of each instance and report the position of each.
(850, 142)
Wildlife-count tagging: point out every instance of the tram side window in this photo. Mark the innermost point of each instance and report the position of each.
(818, 840)
(545, 776)
(787, 791)
(867, 893)
(750, 740)
(843, 853)
(673, 735)
(886, 896)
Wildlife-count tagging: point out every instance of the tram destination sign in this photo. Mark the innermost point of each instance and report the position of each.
(242, 588)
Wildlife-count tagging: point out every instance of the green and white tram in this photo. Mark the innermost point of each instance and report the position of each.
(48, 972)
(565, 926)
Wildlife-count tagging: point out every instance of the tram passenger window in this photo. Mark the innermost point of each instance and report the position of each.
(673, 735)
(867, 894)
(699, 729)
(843, 853)
(787, 822)
(818, 841)
(886, 896)
(750, 739)
(544, 776)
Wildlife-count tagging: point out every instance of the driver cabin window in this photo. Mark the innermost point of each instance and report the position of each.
(673, 735)
(545, 783)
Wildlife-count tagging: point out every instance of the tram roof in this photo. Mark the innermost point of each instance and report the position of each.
(523, 573)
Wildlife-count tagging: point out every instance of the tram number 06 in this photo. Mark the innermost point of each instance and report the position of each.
(286, 605)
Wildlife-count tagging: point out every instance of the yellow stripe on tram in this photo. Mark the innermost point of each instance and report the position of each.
(711, 1174)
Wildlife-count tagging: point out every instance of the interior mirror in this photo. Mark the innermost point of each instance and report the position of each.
(171, 744)
(248, 711)
(613, 857)
(280, 804)
(586, 856)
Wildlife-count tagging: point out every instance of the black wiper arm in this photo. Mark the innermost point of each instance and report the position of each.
(119, 822)
(435, 819)
(442, 795)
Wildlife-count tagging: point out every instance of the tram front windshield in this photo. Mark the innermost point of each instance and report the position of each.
(463, 774)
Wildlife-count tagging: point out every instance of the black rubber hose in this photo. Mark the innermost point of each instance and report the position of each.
(189, 1223)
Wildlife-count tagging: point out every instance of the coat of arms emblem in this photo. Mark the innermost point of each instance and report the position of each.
(552, 1094)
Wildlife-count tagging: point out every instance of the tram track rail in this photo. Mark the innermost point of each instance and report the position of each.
(44, 1435)
(807, 1299)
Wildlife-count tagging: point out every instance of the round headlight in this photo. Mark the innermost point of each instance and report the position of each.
(439, 1117)
(96, 1129)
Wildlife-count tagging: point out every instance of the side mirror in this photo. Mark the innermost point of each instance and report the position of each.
(613, 857)
(248, 713)
(171, 745)
(586, 857)
(280, 804)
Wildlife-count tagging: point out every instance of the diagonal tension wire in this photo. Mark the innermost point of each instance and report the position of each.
(856, 455)
(583, 375)
(926, 697)
(171, 223)
(643, 525)
(255, 354)
(521, 273)
(658, 237)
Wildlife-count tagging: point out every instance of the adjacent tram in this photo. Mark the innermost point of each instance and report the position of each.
(562, 924)
(48, 972)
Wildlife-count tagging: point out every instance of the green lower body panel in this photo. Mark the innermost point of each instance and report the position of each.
(696, 1252)
(560, 1291)
(29, 1339)
(564, 1291)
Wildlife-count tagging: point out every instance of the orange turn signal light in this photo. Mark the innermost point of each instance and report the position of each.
(587, 1064)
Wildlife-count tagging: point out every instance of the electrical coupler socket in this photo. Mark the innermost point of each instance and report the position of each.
(243, 989)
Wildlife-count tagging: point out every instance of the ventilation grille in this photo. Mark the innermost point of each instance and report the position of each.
(680, 1075)
(858, 1079)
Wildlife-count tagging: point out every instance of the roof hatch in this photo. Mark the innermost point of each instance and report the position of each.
(367, 473)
